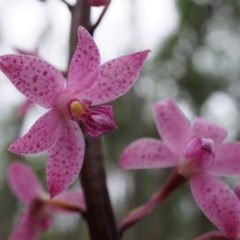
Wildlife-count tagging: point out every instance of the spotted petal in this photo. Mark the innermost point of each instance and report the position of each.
(204, 129)
(147, 153)
(32, 76)
(41, 136)
(84, 63)
(65, 158)
(172, 125)
(115, 78)
(23, 182)
(227, 159)
(218, 202)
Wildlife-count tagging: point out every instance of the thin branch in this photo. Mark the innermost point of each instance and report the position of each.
(70, 7)
(94, 26)
(64, 205)
(173, 182)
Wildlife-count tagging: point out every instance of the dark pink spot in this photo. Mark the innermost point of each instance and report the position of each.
(35, 78)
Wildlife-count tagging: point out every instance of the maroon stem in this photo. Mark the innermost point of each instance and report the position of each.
(173, 182)
(80, 16)
(99, 214)
(93, 27)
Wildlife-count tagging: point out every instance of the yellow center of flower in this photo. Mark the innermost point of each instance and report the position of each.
(77, 109)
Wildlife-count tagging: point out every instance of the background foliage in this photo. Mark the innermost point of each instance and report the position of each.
(198, 64)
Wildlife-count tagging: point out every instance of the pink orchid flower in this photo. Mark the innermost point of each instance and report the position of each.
(37, 217)
(98, 3)
(24, 108)
(198, 153)
(89, 84)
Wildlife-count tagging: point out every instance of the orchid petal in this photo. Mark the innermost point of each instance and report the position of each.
(65, 158)
(84, 63)
(23, 182)
(99, 120)
(172, 125)
(115, 78)
(227, 159)
(218, 202)
(45, 222)
(73, 196)
(41, 136)
(32, 76)
(204, 129)
(147, 153)
(27, 228)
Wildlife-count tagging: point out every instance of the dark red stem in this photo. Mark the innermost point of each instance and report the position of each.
(99, 214)
(173, 182)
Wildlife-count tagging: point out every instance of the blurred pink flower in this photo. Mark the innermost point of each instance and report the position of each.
(37, 217)
(198, 153)
(98, 3)
(89, 84)
(24, 108)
